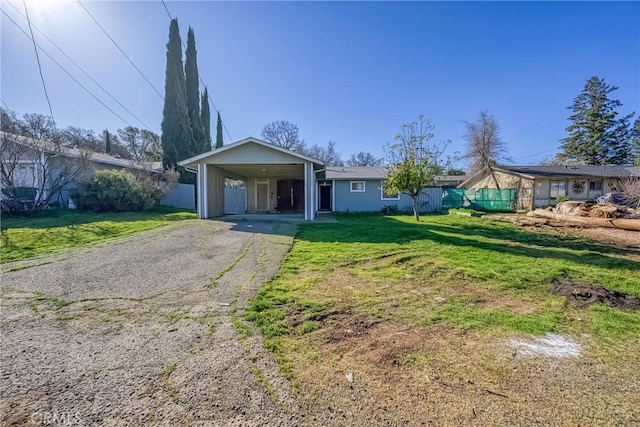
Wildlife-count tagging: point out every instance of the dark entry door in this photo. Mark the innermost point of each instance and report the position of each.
(291, 195)
(325, 197)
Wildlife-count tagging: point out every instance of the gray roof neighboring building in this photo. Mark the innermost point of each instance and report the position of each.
(603, 171)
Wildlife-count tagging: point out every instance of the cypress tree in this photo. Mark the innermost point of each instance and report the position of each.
(107, 141)
(596, 136)
(219, 140)
(177, 135)
(206, 119)
(193, 95)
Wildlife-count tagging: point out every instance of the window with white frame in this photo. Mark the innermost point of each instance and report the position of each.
(595, 185)
(386, 195)
(357, 186)
(558, 188)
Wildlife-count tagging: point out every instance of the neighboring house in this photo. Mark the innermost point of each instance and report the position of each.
(277, 180)
(538, 186)
(38, 165)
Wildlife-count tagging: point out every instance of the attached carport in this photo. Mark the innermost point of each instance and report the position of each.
(277, 180)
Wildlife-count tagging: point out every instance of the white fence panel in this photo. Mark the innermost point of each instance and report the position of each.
(235, 200)
(181, 196)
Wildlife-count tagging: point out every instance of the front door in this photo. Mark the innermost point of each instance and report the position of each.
(262, 196)
(291, 195)
(325, 196)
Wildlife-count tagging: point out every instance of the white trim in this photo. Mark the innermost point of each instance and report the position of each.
(382, 193)
(205, 191)
(306, 191)
(263, 181)
(245, 141)
(364, 187)
(333, 195)
(199, 188)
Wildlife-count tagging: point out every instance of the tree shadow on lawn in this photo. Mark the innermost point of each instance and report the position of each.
(500, 238)
(64, 217)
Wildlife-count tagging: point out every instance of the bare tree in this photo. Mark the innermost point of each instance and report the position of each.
(364, 159)
(35, 172)
(76, 137)
(485, 147)
(142, 145)
(630, 188)
(284, 134)
(329, 155)
(414, 160)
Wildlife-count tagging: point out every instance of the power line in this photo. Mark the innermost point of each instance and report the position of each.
(35, 48)
(65, 71)
(537, 154)
(120, 49)
(83, 71)
(224, 126)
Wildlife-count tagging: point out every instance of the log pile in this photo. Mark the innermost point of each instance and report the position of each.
(591, 215)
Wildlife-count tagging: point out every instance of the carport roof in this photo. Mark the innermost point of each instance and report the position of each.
(196, 159)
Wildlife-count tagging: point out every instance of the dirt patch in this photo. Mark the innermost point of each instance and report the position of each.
(624, 239)
(389, 373)
(341, 327)
(583, 295)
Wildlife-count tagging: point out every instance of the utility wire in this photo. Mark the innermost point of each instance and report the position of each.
(35, 48)
(120, 49)
(536, 154)
(200, 78)
(63, 69)
(83, 71)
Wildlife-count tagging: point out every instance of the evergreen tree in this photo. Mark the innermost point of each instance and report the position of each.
(107, 141)
(596, 136)
(205, 113)
(177, 135)
(219, 138)
(198, 143)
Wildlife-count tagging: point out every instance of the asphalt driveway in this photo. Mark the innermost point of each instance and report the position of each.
(141, 331)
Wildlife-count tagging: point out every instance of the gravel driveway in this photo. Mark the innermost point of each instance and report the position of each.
(141, 331)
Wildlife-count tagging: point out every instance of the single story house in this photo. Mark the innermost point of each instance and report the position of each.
(35, 165)
(278, 180)
(362, 189)
(538, 186)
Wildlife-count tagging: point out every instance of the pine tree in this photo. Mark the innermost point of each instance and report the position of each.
(205, 113)
(596, 136)
(193, 96)
(177, 135)
(219, 138)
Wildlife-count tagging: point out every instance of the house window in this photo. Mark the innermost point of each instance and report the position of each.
(386, 195)
(595, 185)
(558, 188)
(357, 186)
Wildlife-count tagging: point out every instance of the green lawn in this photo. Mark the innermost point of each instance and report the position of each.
(479, 267)
(458, 283)
(55, 231)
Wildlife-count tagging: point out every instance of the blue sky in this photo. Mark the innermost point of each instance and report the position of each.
(350, 72)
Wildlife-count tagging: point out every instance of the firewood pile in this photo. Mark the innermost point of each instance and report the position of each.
(591, 215)
(578, 214)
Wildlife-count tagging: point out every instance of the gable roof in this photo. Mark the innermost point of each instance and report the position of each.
(234, 145)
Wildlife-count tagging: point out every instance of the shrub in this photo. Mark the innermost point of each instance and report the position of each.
(117, 191)
(561, 199)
